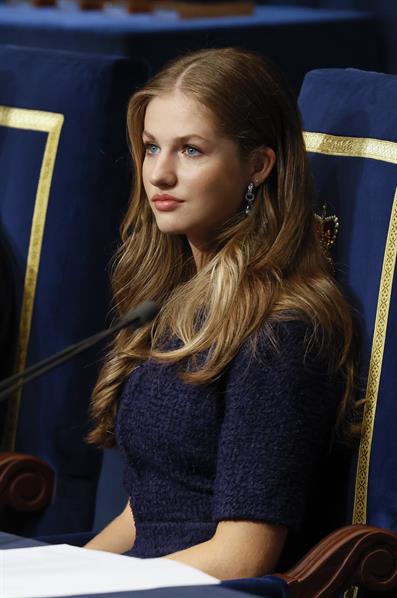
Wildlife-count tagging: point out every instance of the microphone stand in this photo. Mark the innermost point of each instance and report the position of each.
(134, 319)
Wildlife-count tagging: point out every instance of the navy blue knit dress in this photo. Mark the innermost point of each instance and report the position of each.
(242, 447)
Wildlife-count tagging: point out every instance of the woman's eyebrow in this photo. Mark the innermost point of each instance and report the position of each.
(147, 134)
(192, 136)
(179, 139)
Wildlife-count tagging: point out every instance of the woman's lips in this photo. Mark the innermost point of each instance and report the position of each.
(166, 203)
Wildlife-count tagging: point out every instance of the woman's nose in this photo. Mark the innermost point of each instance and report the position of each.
(163, 172)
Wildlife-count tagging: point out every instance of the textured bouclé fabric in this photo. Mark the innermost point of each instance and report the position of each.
(242, 447)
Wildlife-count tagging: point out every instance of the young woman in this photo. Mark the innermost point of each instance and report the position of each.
(224, 404)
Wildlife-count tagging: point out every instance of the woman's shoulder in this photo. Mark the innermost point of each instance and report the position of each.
(286, 325)
(290, 343)
(280, 333)
(283, 368)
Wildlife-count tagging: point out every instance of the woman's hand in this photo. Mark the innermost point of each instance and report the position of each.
(118, 536)
(237, 549)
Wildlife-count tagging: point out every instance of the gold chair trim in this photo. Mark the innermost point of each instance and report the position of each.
(385, 151)
(51, 123)
(352, 147)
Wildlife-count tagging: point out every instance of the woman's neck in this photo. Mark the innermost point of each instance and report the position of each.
(201, 253)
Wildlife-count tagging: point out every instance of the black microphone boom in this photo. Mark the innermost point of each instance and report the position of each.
(134, 319)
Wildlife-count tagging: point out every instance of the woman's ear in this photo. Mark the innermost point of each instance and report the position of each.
(262, 161)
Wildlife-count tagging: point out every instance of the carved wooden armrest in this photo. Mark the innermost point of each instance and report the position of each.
(359, 555)
(26, 482)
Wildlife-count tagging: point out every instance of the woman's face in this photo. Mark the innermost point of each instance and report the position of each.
(194, 177)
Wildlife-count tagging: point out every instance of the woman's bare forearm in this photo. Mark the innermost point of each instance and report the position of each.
(237, 549)
(118, 536)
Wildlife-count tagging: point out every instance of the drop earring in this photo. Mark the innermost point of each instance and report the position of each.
(249, 198)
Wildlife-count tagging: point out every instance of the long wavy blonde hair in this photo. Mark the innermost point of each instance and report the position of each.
(265, 267)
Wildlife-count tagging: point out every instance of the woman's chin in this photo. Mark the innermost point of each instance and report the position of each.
(171, 230)
(171, 226)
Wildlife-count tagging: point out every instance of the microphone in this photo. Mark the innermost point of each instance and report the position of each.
(134, 319)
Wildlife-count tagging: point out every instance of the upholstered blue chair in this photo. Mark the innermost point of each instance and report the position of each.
(350, 122)
(64, 184)
(350, 118)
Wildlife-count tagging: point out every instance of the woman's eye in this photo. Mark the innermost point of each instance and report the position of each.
(151, 148)
(191, 151)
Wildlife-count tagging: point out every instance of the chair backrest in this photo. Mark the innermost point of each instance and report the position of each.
(350, 119)
(64, 185)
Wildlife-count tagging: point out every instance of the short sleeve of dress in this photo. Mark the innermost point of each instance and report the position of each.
(280, 405)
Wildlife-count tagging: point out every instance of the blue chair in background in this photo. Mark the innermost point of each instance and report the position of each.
(350, 122)
(64, 184)
(350, 118)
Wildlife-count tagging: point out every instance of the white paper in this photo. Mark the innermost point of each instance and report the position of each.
(64, 570)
